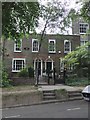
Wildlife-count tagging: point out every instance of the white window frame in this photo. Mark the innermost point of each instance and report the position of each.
(15, 65)
(86, 28)
(83, 42)
(69, 46)
(54, 46)
(15, 44)
(32, 45)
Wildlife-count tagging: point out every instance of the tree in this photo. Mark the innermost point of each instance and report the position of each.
(79, 58)
(85, 10)
(19, 18)
(55, 16)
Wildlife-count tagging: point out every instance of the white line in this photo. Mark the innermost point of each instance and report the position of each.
(73, 109)
(13, 116)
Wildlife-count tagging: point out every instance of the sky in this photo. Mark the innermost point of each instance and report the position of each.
(70, 4)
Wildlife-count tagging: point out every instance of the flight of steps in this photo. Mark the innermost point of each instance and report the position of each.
(49, 95)
(72, 95)
(75, 95)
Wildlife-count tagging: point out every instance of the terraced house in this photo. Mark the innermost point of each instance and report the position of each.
(53, 49)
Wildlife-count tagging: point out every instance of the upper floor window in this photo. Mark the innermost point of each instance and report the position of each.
(83, 27)
(35, 45)
(83, 43)
(83, 39)
(52, 46)
(18, 46)
(67, 46)
(18, 64)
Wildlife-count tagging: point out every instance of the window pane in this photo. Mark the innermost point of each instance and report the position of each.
(35, 46)
(17, 46)
(52, 46)
(83, 28)
(67, 46)
(18, 64)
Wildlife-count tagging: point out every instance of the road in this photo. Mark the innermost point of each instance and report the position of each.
(69, 109)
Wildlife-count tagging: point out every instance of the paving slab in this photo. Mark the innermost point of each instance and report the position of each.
(58, 86)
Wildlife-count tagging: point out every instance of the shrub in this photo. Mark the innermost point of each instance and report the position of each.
(23, 73)
(5, 82)
(26, 72)
(77, 81)
(31, 71)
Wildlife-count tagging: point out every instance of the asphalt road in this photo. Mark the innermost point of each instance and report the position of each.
(70, 109)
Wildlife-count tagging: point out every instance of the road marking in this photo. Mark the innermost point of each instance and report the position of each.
(12, 116)
(73, 109)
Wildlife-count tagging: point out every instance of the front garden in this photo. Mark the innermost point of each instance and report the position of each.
(78, 66)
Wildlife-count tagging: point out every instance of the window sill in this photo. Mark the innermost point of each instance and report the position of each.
(34, 51)
(52, 52)
(17, 51)
(16, 71)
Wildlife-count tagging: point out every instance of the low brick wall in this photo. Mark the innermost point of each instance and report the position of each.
(21, 98)
(22, 81)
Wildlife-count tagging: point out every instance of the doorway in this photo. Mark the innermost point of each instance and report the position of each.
(38, 64)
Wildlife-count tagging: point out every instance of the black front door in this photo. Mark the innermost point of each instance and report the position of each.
(49, 66)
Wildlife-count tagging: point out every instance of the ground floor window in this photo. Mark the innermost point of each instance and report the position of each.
(18, 64)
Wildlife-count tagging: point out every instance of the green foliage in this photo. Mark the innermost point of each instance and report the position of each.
(26, 72)
(23, 73)
(55, 13)
(79, 57)
(19, 15)
(75, 81)
(31, 71)
(5, 82)
(62, 91)
(85, 11)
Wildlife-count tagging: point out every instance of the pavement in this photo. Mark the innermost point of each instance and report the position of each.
(59, 86)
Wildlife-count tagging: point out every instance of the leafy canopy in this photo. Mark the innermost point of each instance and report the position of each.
(55, 15)
(85, 10)
(19, 18)
(80, 54)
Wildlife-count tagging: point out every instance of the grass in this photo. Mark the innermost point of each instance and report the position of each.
(19, 88)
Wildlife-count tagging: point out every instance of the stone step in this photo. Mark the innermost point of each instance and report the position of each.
(49, 94)
(49, 97)
(48, 91)
(75, 91)
(76, 98)
(74, 94)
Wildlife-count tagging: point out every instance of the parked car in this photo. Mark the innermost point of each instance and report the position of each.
(86, 93)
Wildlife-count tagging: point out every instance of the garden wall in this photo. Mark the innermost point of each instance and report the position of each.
(21, 98)
(22, 81)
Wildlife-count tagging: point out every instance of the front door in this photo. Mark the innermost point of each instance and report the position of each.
(49, 66)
